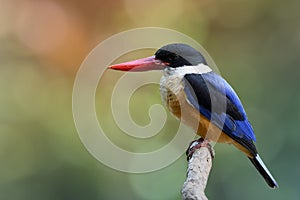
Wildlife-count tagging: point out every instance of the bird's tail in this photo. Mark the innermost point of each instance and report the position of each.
(260, 166)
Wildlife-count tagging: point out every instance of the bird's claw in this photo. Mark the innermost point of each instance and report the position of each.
(197, 144)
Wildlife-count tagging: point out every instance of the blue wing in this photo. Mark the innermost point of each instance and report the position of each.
(217, 101)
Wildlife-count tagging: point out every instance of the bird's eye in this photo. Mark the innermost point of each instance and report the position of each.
(173, 57)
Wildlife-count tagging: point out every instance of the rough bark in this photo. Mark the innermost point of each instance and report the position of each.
(199, 167)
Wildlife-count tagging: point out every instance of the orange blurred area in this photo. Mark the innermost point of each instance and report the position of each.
(59, 34)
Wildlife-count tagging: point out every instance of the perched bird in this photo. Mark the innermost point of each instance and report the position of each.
(202, 99)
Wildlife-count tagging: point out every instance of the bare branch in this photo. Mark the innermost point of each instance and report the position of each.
(197, 173)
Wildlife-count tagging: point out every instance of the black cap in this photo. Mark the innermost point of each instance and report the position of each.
(178, 55)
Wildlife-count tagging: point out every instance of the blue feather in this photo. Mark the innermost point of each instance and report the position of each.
(201, 88)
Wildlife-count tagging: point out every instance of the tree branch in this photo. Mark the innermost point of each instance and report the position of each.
(199, 166)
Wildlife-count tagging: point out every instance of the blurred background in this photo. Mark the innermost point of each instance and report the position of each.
(255, 44)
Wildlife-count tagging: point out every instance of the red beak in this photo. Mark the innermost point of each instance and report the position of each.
(144, 64)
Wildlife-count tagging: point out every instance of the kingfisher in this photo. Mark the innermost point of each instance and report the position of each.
(202, 99)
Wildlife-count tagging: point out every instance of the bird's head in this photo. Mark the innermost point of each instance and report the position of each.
(171, 55)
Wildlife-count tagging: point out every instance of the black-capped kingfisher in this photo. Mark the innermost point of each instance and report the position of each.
(201, 99)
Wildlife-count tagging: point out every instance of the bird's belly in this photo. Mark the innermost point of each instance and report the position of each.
(184, 111)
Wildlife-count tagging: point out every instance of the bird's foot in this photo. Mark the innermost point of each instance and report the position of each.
(197, 144)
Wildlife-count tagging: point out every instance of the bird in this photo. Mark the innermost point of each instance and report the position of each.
(202, 99)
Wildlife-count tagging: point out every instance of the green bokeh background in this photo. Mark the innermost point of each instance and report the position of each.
(255, 44)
